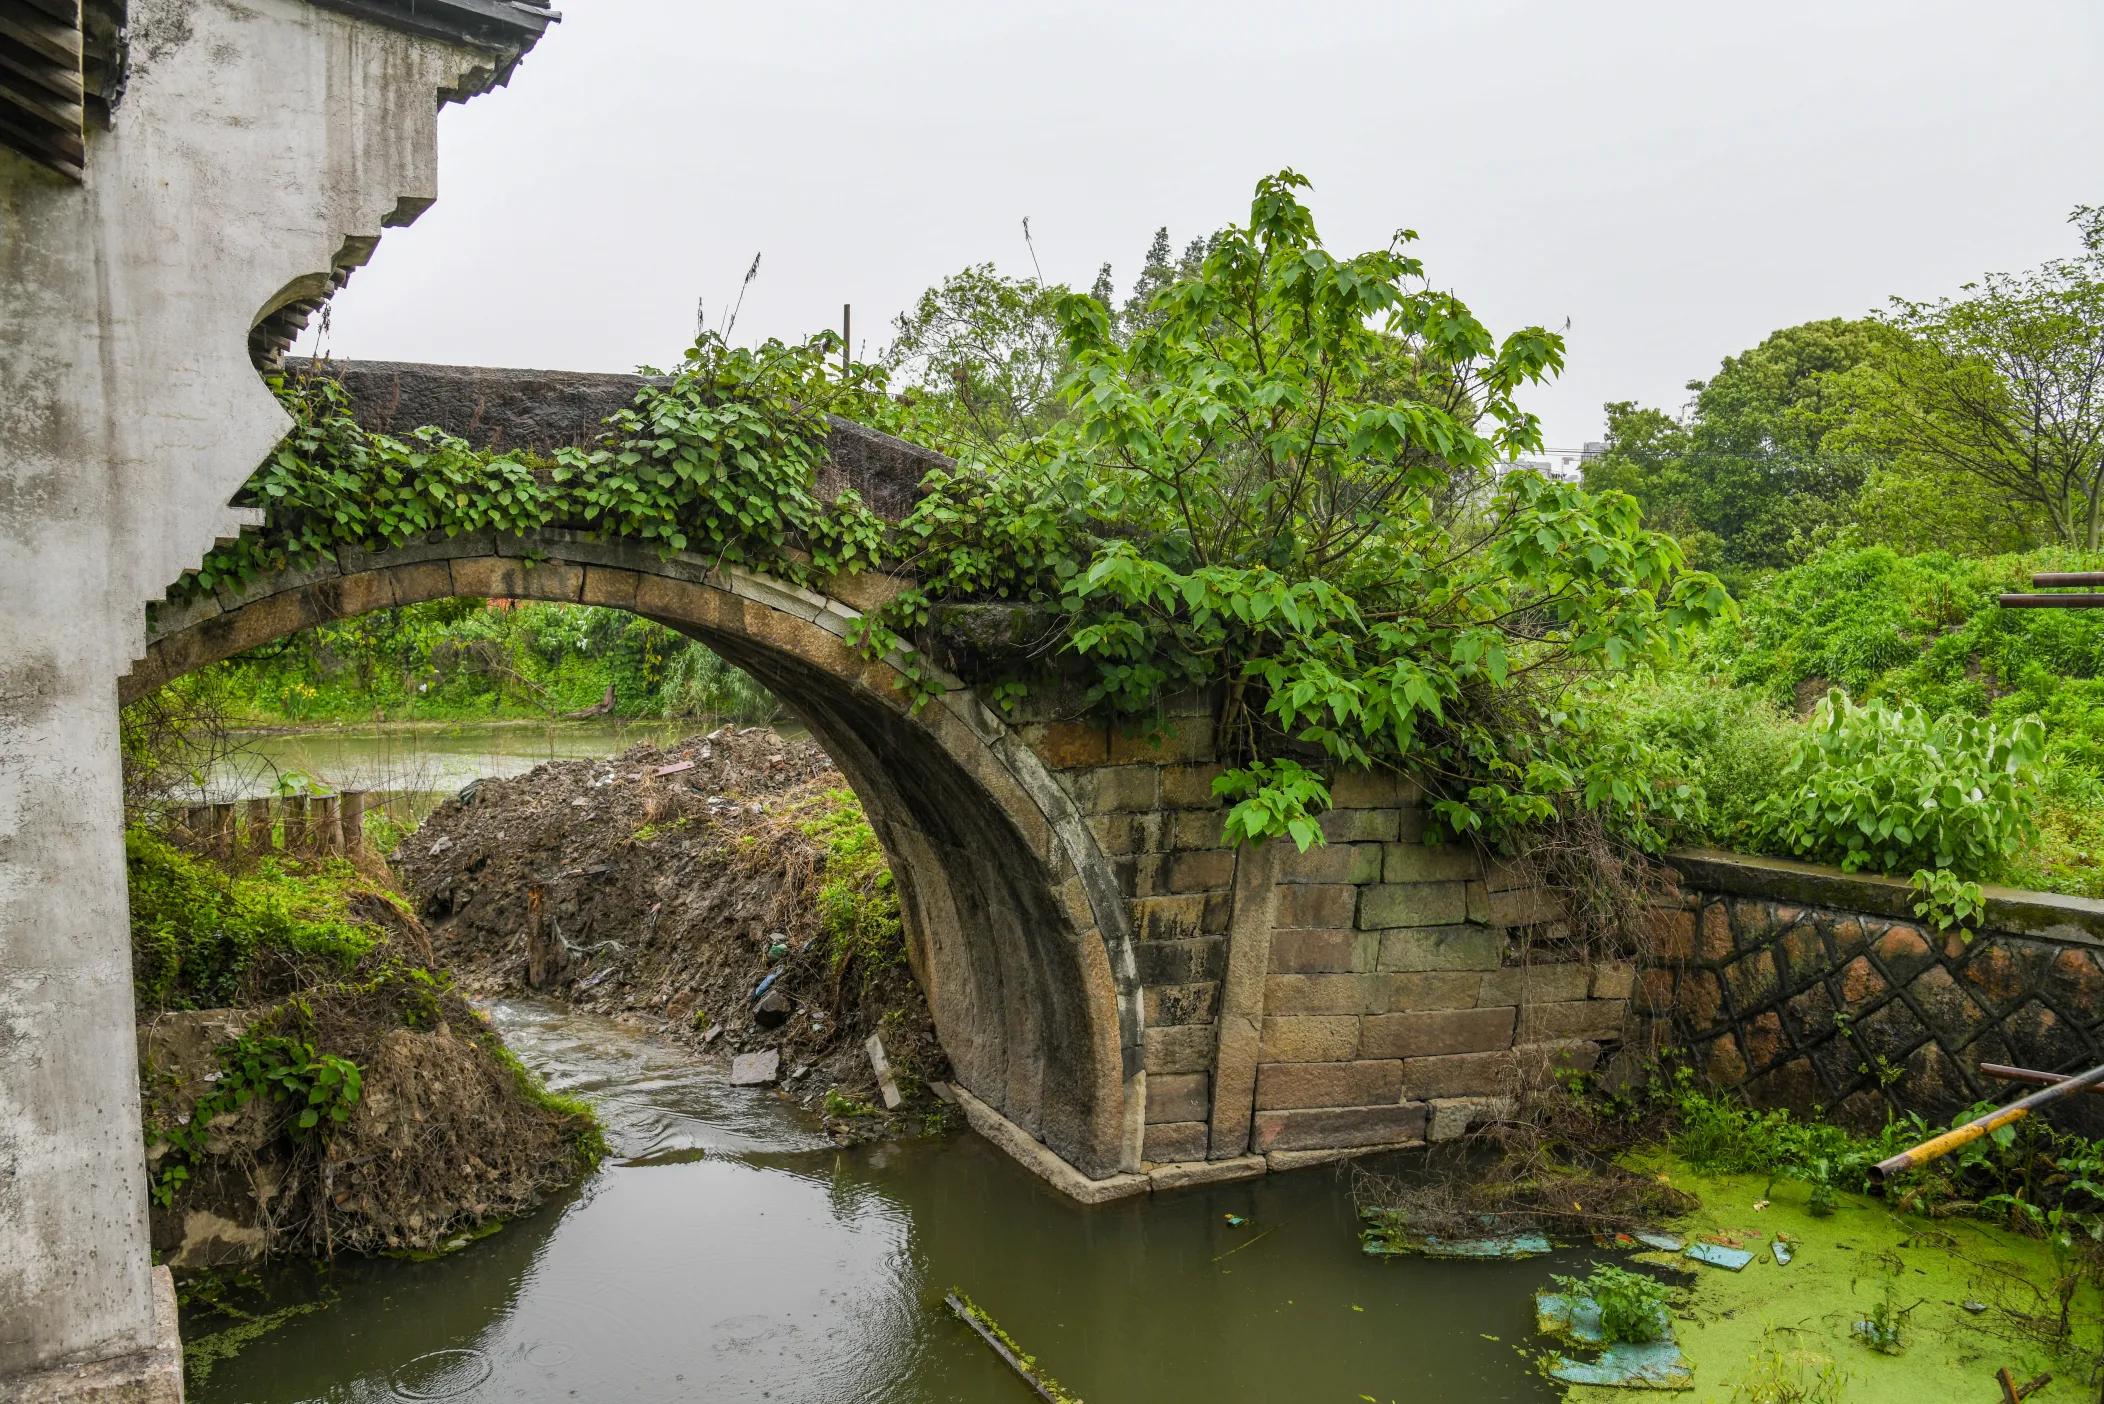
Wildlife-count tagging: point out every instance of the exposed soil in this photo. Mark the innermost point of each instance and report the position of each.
(447, 1136)
(671, 883)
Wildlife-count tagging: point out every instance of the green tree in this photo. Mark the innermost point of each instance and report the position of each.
(1647, 457)
(1255, 489)
(979, 360)
(2004, 387)
(1759, 470)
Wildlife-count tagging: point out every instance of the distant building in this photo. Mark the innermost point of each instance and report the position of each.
(1556, 467)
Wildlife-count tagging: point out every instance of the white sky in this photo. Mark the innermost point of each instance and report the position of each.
(1675, 180)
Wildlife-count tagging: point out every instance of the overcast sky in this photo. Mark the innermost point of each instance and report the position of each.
(1672, 180)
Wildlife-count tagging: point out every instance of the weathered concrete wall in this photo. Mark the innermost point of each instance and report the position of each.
(1808, 987)
(261, 146)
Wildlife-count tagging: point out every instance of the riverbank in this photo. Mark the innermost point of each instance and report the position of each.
(310, 1084)
(726, 893)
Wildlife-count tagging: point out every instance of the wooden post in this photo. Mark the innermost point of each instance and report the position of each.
(295, 824)
(353, 802)
(259, 839)
(224, 842)
(197, 821)
(328, 825)
(536, 952)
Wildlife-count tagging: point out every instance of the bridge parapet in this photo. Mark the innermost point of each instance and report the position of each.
(541, 411)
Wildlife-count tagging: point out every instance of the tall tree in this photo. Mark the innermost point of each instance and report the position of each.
(1758, 466)
(2005, 386)
(979, 360)
(1156, 273)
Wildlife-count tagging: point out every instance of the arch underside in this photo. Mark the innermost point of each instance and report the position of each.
(1012, 919)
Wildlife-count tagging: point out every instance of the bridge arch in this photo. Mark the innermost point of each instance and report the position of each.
(1014, 921)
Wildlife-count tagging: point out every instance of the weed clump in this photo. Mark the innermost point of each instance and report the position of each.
(1633, 1307)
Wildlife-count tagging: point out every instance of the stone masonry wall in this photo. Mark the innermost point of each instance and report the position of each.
(1807, 987)
(1373, 992)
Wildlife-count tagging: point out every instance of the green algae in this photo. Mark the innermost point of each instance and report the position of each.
(1749, 1334)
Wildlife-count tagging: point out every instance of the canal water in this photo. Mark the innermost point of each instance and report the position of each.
(728, 1252)
(418, 758)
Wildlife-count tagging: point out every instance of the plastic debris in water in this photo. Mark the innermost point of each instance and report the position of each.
(1234, 1220)
(1658, 1365)
(1717, 1255)
(1781, 1251)
(1974, 1307)
(1655, 1364)
(1664, 1242)
(1384, 1239)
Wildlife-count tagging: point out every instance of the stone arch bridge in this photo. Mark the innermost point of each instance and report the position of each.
(1127, 1003)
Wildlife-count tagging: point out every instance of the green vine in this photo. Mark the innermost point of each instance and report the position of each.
(720, 457)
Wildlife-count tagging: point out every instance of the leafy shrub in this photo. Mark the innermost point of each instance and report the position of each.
(1731, 746)
(447, 659)
(1884, 787)
(1279, 482)
(1633, 1307)
(315, 1092)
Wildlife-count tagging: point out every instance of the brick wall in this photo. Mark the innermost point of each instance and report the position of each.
(1807, 987)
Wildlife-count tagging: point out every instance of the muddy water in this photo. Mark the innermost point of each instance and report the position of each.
(727, 1252)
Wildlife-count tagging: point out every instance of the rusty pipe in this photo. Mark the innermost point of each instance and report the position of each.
(2051, 601)
(2047, 579)
(1937, 1147)
(2030, 1075)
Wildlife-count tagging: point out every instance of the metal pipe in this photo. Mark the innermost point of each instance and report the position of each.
(2046, 580)
(2052, 601)
(1938, 1146)
(2030, 1075)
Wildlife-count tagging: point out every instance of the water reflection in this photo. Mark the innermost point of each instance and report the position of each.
(729, 1253)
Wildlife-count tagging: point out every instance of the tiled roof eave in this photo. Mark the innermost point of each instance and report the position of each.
(511, 26)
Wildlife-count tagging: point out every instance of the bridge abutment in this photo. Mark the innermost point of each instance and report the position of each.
(255, 154)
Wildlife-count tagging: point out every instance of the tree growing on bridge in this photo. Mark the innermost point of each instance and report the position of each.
(1282, 480)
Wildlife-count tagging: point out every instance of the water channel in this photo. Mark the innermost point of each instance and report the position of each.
(727, 1251)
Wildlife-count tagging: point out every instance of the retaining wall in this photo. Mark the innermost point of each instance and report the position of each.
(1808, 987)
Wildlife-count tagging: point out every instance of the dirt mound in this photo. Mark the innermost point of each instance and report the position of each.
(446, 1132)
(726, 891)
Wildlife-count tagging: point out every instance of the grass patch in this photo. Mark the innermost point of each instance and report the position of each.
(197, 930)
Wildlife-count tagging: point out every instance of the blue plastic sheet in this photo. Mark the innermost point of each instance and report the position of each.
(1717, 1255)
